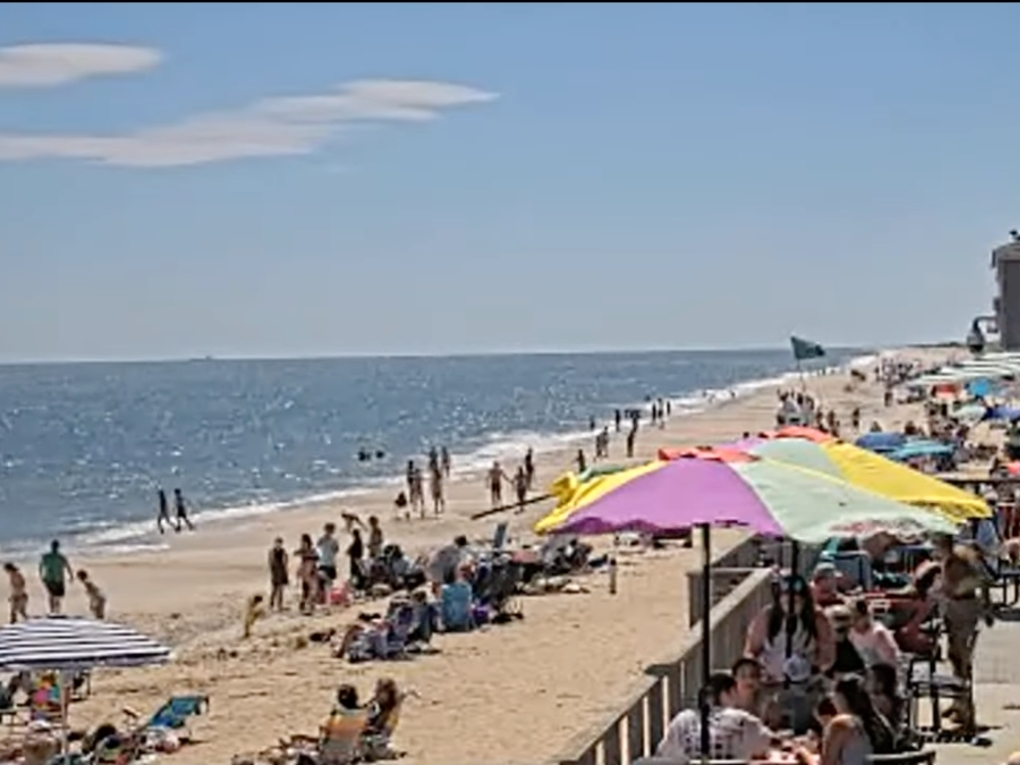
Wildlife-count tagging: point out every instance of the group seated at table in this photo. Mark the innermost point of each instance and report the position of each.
(847, 726)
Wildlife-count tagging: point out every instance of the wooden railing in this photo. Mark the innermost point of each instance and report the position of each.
(672, 686)
(730, 568)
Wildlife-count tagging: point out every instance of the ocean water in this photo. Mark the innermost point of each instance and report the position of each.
(84, 446)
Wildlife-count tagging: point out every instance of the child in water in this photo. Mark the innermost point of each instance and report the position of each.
(97, 600)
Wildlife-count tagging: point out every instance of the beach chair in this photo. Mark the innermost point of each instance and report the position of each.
(376, 745)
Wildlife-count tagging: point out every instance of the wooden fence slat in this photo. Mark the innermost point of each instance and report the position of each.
(656, 715)
(612, 745)
(636, 733)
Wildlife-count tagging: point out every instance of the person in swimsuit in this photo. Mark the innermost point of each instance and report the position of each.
(19, 593)
(54, 570)
(278, 577)
(496, 476)
(444, 459)
(307, 573)
(521, 488)
(97, 599)
(965, 600)
(375, 538)
(436, 489)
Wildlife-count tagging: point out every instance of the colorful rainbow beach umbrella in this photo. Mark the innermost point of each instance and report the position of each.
(814, 450)
(728, 487)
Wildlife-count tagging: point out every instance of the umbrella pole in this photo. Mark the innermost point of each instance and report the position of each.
(65, 680)
(791, 620)
(706, 638)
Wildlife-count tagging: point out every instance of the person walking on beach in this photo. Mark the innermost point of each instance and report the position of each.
(163, 515)
(19, 593)
(182, 512)
(54, 570)
(97, 600)
(617, 417)
(278, 577)
(631, 435)
(529, 467)
(496, 477)
(521, 487)
(444, 459)
(581, 462)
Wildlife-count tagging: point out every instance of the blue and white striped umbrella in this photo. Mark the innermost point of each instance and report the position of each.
(70, 643)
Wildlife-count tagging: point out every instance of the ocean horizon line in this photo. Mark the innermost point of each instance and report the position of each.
(213, 358)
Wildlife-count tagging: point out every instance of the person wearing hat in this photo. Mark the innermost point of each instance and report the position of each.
(848, 658)
(825, 585)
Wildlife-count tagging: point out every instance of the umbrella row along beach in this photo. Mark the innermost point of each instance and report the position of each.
(798, 483)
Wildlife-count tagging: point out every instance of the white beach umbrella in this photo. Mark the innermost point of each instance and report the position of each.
(71, 643)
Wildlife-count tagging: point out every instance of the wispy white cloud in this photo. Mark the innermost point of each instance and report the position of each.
(46, 65)
(270, 127)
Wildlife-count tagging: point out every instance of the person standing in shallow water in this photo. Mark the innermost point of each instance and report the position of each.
(182, 512)
(444, 459)
(163, 516)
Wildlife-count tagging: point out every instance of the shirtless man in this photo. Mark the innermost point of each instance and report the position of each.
(495, 478)
(965, 600)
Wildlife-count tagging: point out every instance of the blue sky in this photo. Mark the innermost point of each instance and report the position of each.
(498, 177)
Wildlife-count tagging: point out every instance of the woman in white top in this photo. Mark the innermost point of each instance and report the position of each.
(794, 643)
(873, 640)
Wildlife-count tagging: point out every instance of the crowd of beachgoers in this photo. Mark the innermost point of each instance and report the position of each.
(402, 588)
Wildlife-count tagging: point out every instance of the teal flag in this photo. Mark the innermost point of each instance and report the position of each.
(805, 349)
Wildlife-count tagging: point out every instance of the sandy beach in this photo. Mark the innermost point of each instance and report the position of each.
(513, 693)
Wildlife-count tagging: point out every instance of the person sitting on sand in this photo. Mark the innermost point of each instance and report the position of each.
(253, 611)
(340, 735)
(97, 599)
(19, 593)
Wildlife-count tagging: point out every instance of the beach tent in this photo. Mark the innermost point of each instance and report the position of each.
(921, 448)
(68, 644)
(1002, 412)
(881, 442)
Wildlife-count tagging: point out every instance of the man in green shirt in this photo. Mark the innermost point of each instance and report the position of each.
(54, 570)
